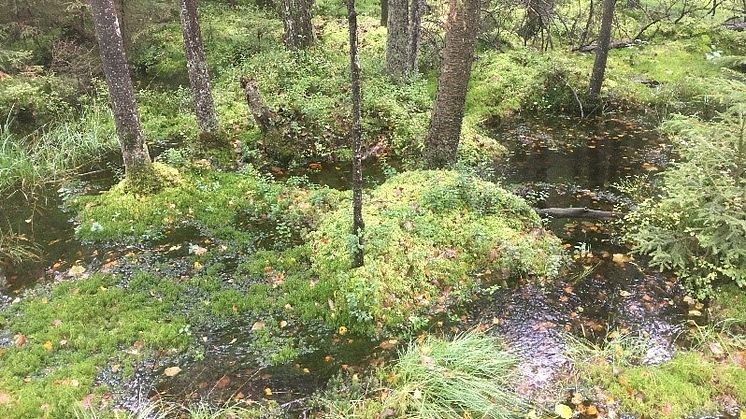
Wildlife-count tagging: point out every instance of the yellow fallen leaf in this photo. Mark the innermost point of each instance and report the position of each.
(47, 346)
(171, 371)
(267, 391)
(257, 326)
(342, 330)
(76, 270)
(562, 410)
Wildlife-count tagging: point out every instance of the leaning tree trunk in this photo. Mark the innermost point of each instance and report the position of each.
(296, 17)
(602, 50)
(448, 111)
(356, 138)
(121, 92)
(199, 78)
(397, 39)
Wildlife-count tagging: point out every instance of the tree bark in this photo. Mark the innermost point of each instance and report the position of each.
(415, 34)
(296, 18)
(263, 116)
(602, 50)
(356, 138)
(199, 77)
(384, 12)
(397, 39)
(121, 92)
(448, 110)
(403, 37)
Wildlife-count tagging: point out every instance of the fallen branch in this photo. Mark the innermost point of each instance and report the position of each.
(576, 213)
(612, 45)
(736, 26)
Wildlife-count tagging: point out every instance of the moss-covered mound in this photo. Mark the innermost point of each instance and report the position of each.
(431, 237)
(244, 208)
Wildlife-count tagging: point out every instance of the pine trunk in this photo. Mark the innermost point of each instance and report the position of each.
(602, 50)
(121, 92)
(415, 29)
(296, 18)
(448, 110)
(384, 12)
(356, 138)
(397, 39)
(199, 77)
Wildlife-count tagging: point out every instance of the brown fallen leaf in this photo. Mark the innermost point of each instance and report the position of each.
(259, 325)
(5, 398)
(171, 371)
(223, 382)
(20, 340)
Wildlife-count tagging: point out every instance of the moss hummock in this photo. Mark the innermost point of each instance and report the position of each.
(431, 239)
(149, 180)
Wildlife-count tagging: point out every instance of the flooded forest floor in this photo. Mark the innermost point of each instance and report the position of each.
(588, 340)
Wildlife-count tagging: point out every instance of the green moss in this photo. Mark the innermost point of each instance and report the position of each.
(244, 208)
(71, 334)
(687, 385)
(431, 238)
(149, 180)
(729, 302)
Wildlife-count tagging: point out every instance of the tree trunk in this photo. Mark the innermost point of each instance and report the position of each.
(356, 138)
(397, 39)
(121, 92)
(538, 14)
(415, 33)
(263, 116)
(296, 18)
(448, 110)
(602, 50)
(384, 12)
(199, 78)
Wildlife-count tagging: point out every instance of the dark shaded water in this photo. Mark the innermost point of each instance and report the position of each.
(572, 163)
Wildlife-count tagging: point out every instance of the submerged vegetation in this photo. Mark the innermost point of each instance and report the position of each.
(176, 232)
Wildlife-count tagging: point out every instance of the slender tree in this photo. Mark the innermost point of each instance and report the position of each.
(602, 50)
(403, 37)
(137, 161)
(356, 138)
(296, 18)
(199, 77)
(448, 110)
(384, 12)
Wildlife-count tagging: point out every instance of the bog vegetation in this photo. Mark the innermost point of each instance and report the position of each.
(309, 201)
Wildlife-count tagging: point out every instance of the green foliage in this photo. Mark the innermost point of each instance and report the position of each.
(72, 332)
(698, 226)
(57, 152)
(466, 376)
(242, 208)
(431, 239)
(687, 385)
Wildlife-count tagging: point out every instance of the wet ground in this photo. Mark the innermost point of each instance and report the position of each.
(572, 163)
(553, 163)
